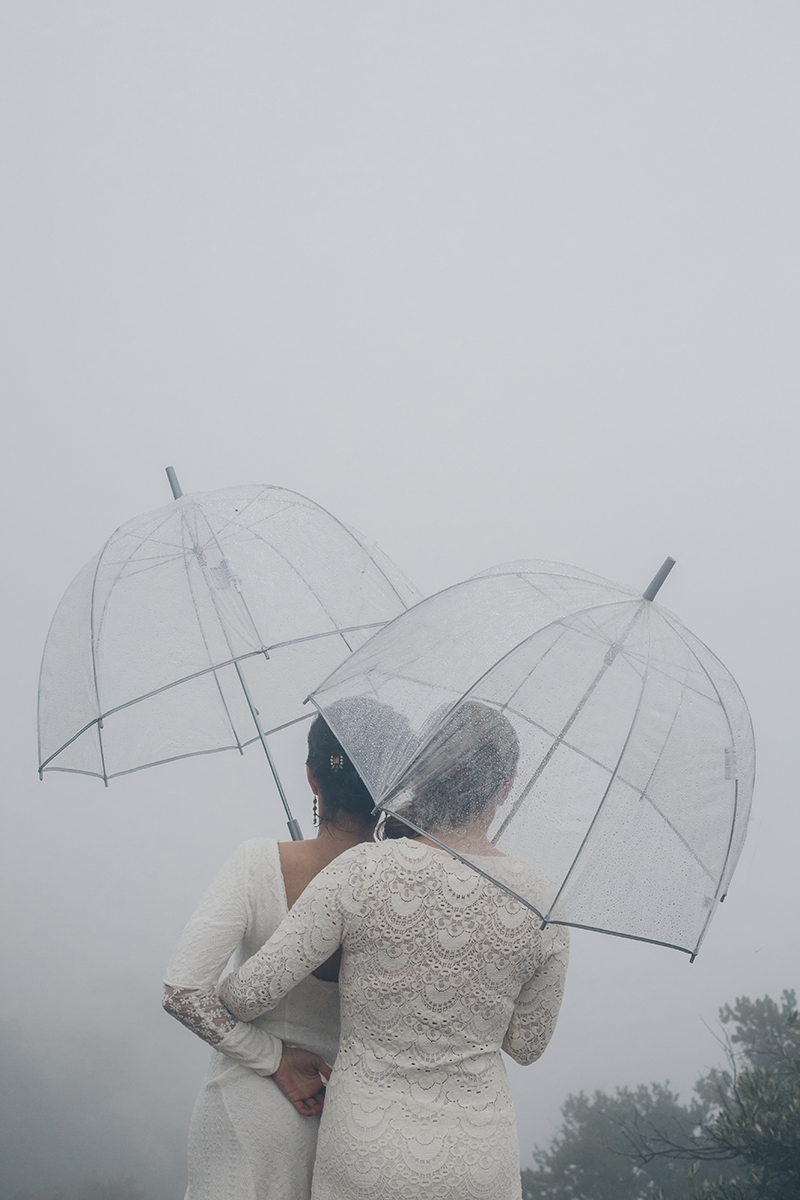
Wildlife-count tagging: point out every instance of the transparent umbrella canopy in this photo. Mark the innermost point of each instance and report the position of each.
(202, 626)
(636, 757)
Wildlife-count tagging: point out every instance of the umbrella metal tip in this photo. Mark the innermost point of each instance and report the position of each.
(173, 483)
(655, 583)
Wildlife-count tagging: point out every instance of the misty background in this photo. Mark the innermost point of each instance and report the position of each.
(488, 281)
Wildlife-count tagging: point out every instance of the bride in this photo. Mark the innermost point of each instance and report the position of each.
(247, 1141)
(440, 970)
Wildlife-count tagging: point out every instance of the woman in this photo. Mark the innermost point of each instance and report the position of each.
(247, 1141)
(440, 970)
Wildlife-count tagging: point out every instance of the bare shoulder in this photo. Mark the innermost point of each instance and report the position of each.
(297, 852)
(300, 862)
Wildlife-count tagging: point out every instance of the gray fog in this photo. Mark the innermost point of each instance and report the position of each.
(489, 281)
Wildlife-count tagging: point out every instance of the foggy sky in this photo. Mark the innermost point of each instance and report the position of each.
(489, 281)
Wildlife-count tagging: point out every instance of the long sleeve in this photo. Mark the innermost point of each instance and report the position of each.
(538, 1003)
(308, 936)
(214, 931)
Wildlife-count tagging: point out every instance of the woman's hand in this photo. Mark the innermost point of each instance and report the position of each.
(300, 1077)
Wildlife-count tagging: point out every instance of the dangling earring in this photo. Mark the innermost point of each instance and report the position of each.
(316, 822)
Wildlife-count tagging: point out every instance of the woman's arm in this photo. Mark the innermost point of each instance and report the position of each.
(537, 1005)
(310, 934)
(214, 931)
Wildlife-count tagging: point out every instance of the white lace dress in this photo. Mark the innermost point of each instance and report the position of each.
(246, 1141)
(440, 969)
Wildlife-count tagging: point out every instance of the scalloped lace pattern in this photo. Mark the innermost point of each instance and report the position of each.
(441, 969)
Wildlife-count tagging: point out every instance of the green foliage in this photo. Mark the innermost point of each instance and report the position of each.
(757, 1122)
(738, 1139)
(594, 1156)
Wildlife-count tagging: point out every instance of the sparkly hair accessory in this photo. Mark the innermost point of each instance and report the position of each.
(337, 763)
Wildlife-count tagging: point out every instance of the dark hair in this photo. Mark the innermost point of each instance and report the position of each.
(467, 762)
(340, 786)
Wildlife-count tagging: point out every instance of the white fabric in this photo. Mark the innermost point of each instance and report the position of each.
(440, 969)
(246, 1141)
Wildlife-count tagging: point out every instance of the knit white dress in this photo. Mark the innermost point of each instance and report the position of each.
(246, 1141)
(440, 969)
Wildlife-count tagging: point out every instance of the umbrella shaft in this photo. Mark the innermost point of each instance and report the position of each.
(294, 828)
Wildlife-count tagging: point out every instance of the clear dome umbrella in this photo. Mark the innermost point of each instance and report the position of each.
(201, 627)
(635, 762)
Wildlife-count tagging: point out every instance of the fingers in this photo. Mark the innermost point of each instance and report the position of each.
(311, 1107)
(317, 1065)
(323, 1068)
(301, 1077)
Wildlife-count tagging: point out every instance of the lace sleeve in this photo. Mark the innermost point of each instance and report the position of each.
(213, 932)
(537, 1005)
(309, 935)
(199, 1011)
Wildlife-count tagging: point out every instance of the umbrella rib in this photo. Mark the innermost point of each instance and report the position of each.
(309, 716)
(235, 659)
(208, 653)
(536, 666)
(41, 671)
(569, 745)
(175, 758)
(160, 761)
(633, 656)
(131, 564)
(140, 566)
(122, 565)
(467, 862)
(330, 633)
(238, 589)
(263, 489)
(570, 721)
(395, 787)
(610, 783)
(652, 802)
(73, 771)
(633, 937)
(147, 696)
(628, 593)
(143, 766)
(259, 537)
(205, 671)
(95, 680)
(735, 809)
(351, 535)
(238, 669)
(338, 632)
(730, 731)
(628, 783)
(279, 553)
(540, 591)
